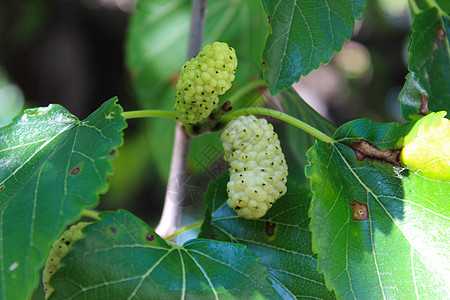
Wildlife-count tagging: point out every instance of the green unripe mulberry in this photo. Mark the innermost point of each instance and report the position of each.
(60, 248)
(202, 80)
(258, 170)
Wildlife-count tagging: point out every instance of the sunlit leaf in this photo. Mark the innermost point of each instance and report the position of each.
(51, 167)
(380, 231)
(427, 147)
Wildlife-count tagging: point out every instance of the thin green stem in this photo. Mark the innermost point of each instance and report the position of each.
(414, 7)
(93, 214)
(133, 114)
(283, 117)
(181, 230)
(245, 89)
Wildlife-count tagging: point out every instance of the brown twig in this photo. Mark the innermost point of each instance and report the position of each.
(170, 218)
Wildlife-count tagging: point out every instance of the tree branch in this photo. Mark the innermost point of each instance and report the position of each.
(170, 218)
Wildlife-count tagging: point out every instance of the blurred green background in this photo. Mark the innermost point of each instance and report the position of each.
(80, 53)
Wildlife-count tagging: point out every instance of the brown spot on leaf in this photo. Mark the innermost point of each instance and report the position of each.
(363, 149)
(173, 79)
(113, 229)
(360, 212)
(270, 228)
(150, 237)
(424, 105)
(113, 151)
(75, 171)
(441, 35)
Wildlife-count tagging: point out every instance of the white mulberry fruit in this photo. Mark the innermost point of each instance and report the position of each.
(258, 169)
(60, 248)
(202, 80)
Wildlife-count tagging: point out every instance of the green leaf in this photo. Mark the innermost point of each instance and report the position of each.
(123, 258)
(156, 50)
(298, 141)
(304, 34)
(427, 147)
(380, 231)
(52, 167)
(427, 86)
(443, 5)
(281, 238)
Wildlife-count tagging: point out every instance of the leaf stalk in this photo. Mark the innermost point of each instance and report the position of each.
(133, 114)
(283, 117)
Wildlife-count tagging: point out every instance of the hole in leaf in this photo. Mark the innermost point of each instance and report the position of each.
(113, 229)
(424, 105)
(75, 171)
(150, 237)
(270, 228)
(360, 212)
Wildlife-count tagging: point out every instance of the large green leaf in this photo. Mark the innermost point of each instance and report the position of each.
(52, 166)
(427, 86)
(281, 238)
(443, 5)
(304, 34)
(298, 141)
(156, 50)
(380, 231)
(122, 258)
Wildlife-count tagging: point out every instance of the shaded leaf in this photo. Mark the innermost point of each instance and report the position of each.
(122, 258)
(427, 87)
(281, 238)
(52, 167)
(303, 35)
(298, 141)
(380, 231)
(444, 5)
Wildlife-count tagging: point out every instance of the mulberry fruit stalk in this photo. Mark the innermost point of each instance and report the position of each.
(202, 80)
(258, 170)
(60, 248)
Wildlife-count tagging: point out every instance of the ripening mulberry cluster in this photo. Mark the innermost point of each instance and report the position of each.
(258, 170)
(202, 80)
(60, 248)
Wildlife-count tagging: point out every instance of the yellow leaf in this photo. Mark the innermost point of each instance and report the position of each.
(426, 148)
